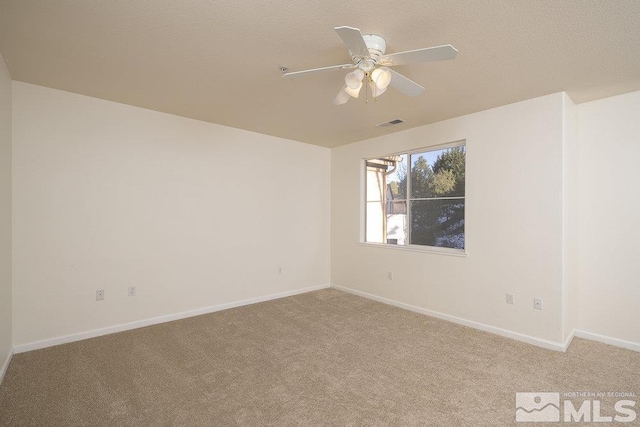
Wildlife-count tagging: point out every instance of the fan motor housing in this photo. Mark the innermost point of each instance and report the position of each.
(376, 46)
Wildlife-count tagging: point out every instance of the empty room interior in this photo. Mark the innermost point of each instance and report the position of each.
(319, 213)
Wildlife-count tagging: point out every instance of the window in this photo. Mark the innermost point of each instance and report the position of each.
(417, 198)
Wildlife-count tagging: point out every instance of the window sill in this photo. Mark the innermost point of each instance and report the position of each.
(416, 248)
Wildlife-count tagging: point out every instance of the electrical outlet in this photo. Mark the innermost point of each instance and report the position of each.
(100, 295)
(390, 275)
(510, 298)
(132, 291)
(537, 303)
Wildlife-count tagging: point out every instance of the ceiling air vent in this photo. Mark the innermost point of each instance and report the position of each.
(391, 123)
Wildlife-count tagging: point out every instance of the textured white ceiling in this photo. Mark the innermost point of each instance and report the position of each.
(219, 61)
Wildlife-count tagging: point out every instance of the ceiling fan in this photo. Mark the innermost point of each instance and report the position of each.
(371, 66)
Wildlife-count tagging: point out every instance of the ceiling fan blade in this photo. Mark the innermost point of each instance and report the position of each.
(352, 37)
(437, 53)
(313, 70)
(342, 97)
(405, 85)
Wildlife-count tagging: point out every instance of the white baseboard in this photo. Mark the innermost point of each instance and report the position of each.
(36, 345)
(629, 345)
(558, 346)
(5, 365)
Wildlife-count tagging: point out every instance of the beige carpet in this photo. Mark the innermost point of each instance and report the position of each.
(322, 358)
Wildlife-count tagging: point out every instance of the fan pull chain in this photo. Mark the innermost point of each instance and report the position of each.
(366, 88)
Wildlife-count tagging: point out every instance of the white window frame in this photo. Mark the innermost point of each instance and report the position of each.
(410, 247)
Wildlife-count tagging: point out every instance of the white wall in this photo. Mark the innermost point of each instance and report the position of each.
(570, 212)
(514, 219)
(5, 216)
(191, 213)
(608, 300)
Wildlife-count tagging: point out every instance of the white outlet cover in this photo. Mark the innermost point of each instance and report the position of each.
(537, 303)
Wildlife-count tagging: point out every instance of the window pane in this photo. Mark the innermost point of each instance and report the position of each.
(438, 173)
(375, 222)
(375, 184)
(397, 178)
(386, 192)
(438, 223)
(387, 172)
(397, 222)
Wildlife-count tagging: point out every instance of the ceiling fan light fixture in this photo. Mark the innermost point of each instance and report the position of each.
(381, 77)
(375, 90)
(353, 92)
(353, 80)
